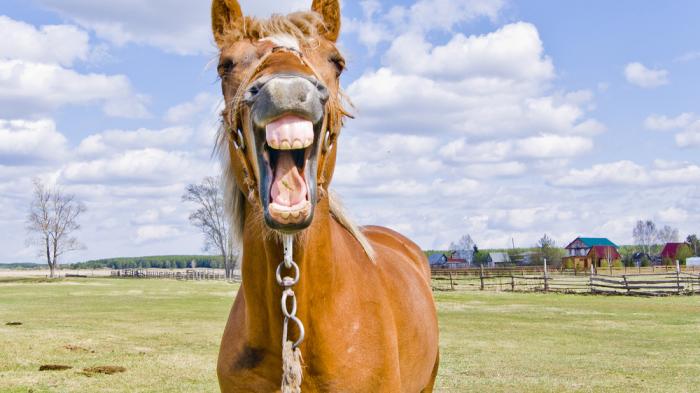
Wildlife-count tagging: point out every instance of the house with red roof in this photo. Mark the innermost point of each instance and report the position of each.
(584, 252)
(675, 251)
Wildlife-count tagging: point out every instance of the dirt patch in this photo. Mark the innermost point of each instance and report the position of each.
(76, 348)
(107, 370)
(54, 367)
(14, 324)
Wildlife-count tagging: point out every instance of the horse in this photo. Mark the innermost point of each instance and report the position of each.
(363, 293)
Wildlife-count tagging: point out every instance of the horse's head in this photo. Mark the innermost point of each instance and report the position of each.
(280, 80)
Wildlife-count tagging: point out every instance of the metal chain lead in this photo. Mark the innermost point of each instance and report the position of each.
(288, 296)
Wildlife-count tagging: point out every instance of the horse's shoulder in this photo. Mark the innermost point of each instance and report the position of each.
(382, 237)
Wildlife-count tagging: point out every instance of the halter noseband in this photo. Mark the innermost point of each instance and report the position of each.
(237, 136)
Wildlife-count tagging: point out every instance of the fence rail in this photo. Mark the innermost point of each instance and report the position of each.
(532, 279)
(187, 275)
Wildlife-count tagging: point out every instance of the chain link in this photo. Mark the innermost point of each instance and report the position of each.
(288, 296)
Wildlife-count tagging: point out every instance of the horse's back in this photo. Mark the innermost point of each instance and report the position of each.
(383, 238)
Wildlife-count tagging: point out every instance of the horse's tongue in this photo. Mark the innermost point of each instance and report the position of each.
(288, 188)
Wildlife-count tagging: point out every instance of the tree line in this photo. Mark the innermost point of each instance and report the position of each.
(155, 262)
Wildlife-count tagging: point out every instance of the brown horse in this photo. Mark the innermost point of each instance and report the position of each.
(364, 294)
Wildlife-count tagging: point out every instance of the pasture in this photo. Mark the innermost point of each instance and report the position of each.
(166, 334)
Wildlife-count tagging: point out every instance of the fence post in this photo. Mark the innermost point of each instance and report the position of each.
(590, 279)
(481, 276)
(626, 284)
(512, 282)
(452, 285)
(546, 284)
(678, 275)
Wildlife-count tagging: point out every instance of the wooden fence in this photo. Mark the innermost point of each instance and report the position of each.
(531, 279)
(186, 275)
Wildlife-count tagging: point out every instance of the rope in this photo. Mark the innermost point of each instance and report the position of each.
(291, 368)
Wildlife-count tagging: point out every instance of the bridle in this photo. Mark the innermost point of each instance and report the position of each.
(237, 138)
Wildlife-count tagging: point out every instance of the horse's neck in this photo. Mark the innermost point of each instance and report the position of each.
(313, 252)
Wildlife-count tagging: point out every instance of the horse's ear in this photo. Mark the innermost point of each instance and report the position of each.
(330, 11)
(226, 15)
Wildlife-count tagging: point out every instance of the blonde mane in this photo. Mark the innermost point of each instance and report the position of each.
(302, 26)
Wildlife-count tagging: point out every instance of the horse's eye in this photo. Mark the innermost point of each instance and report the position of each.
(225, 67)
(338, 62)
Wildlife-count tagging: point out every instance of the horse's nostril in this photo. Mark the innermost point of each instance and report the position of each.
(323, 93)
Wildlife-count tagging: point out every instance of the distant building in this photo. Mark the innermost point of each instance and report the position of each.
(586, 251)
(498, 259)
(437, 260)
(671, 250)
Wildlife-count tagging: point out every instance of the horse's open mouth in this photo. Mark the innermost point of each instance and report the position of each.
(288, 170)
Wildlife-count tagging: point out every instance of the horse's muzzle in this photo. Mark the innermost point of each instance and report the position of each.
(287, 113)
(274, 96)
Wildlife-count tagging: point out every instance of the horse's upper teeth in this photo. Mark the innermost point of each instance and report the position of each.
(286, 145)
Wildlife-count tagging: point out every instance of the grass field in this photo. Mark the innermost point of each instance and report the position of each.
(166, 335)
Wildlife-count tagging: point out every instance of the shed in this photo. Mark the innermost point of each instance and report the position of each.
(498, 258)
(694, 261)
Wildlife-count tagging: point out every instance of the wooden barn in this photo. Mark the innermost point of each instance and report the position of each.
(586, 251)
(675, 251)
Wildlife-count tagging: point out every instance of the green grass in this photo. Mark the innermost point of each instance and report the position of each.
(166, 334)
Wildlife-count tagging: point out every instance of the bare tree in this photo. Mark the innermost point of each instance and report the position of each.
(667, 234)
(609, 255)
(464, 248)
(210, 218)
(644, 234)
(52, 220)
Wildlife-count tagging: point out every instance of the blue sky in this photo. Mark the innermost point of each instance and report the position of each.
(500, 119)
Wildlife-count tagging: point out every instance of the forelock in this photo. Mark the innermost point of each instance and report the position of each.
(302, 27)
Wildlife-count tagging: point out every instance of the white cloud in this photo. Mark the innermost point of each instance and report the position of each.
(673, 215)
(151, 166)
(154, 233)
(536, 147)
(62, 44)
(487, 86)
(176, 26)
(188, 110)
(513, 52)
(23, 142)
(690, 137)
(120, 140)
(687, 123)
(688, 56)
(628, 173)
(664, 123)
(494, 170)
(639, 75)
(424, 15)
(29, 88)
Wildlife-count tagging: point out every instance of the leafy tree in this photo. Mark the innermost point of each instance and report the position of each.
(684, 252)
(547, 248)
